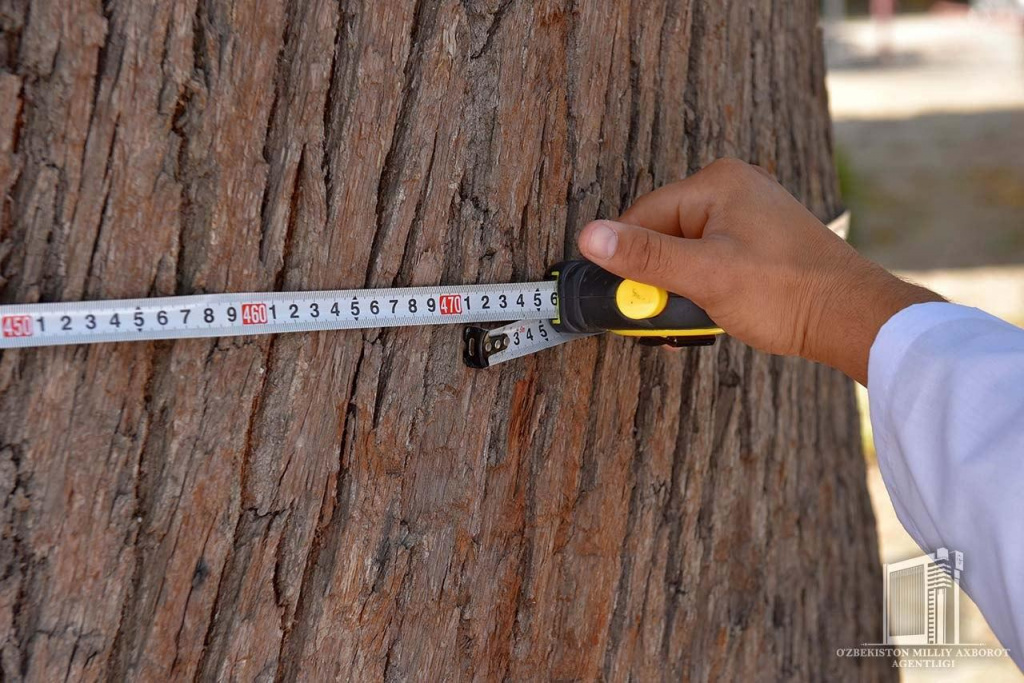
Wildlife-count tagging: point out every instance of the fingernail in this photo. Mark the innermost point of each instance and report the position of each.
(601, 242)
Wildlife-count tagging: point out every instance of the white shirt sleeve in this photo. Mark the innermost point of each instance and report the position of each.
(946, 388)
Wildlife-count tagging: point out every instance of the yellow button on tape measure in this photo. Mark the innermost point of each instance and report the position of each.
(638, 301)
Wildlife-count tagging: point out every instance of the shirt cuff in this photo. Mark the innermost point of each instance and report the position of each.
(887, 356)
(899, 334)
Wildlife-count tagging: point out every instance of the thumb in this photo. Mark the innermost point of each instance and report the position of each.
(673, 263)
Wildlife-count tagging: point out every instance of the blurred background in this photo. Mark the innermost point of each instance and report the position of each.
(928, 101)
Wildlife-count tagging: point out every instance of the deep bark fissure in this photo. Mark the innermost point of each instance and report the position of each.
(316, 571)
(199, 575)
(694, 128)
(628, 180)
(588, 465)
(523, 610)
(102, 57)
(293, 218)
(604, 211)
(103, 221)
(645, 407)
(26, 567)
(143, 509)
(493, 28)
(340, 31)
(223, 603)
(672, 516)
(272, 123)
(656, 148)
(424, 18)
(403, 278)
(572, 189)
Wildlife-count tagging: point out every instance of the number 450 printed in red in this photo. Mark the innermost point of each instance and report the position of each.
(16, 326)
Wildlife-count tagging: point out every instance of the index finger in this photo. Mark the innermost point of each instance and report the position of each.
(681, 208)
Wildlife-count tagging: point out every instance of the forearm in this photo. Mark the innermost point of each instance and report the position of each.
(854, 303)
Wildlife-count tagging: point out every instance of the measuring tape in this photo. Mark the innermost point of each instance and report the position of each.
(232, 315)
(579, 300)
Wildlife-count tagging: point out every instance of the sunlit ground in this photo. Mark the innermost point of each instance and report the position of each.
(930, 142)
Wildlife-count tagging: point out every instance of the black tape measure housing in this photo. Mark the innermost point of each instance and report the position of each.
(588, 302)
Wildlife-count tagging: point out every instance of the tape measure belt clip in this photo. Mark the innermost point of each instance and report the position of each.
(479, 344)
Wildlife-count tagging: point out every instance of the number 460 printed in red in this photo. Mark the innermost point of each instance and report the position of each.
(16, 326)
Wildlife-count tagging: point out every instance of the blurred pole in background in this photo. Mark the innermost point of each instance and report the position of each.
(881, 14)
(835, 11)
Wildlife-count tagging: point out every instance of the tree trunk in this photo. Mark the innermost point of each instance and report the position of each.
(358, 505)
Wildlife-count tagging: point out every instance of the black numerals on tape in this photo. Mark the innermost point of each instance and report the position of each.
(522, 336)
(501, 301)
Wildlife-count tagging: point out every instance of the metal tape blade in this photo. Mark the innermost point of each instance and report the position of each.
(487, 348)
(224, 315)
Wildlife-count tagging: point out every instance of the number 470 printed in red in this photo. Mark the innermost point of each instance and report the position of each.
(16, 326)
(451, 304)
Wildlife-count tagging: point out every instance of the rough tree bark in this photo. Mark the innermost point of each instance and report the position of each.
(359, 505)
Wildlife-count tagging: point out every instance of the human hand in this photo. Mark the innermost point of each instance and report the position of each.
(736, 243)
